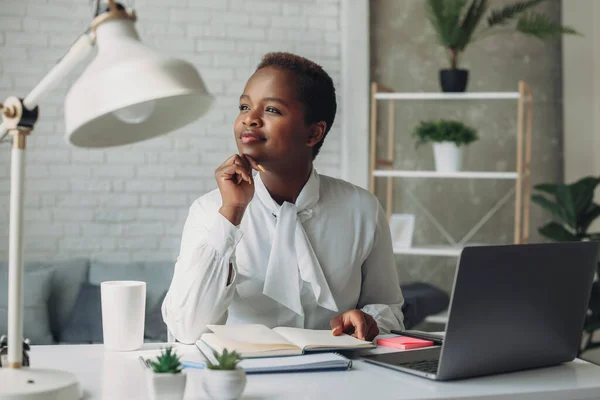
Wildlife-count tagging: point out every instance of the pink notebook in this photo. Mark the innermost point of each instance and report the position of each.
(404, 342)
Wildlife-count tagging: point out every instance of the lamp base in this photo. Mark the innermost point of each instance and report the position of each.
(38, 384)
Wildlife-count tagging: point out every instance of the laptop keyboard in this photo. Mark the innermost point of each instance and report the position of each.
(429, 366)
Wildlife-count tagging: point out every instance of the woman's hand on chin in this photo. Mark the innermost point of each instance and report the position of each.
(236, 184)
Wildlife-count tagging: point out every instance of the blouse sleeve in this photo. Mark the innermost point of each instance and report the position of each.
(199, 293)
(381, 296)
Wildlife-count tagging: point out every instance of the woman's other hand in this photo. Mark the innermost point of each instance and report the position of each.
(356, 323)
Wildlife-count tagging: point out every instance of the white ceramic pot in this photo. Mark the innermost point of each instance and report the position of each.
(447, 157)
(224, 385)
(166, 386)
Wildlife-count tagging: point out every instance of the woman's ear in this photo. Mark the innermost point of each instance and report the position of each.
(316, 133)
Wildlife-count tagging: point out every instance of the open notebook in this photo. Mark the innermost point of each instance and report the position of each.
(254, 340)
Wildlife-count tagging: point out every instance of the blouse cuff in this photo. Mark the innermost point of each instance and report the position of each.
(224, 236)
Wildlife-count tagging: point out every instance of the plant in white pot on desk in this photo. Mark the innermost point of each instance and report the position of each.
(166, 381)
(224, 380)
(448, 138)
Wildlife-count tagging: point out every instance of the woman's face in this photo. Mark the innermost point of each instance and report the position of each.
(270, 126)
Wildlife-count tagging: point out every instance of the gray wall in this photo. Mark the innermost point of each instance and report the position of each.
(405, 56)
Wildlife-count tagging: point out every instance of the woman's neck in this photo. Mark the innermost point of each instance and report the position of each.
(286, 186)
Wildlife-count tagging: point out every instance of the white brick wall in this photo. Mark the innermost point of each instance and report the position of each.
(130, 203)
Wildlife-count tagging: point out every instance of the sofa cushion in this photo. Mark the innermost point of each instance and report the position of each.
(85, 322)
(157, 276)
(155, 329)
(67, 278)
(420, 301)
(36, 293)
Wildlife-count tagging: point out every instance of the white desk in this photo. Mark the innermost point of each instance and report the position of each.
(115, 376)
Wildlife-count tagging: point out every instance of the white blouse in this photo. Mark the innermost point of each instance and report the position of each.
(293, 265)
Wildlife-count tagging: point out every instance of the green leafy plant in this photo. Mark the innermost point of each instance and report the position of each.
(167, 362)
(456, 23)
(573, 210)
(225, 361)
(444, 131)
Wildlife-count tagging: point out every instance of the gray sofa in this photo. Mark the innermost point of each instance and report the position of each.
(62, 298)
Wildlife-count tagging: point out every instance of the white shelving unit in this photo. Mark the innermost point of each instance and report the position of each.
(445, 175)
(441, 318)
(383, 168)
(449, 251)
(448, 96)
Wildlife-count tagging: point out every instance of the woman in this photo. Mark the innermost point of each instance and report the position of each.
(286, 247)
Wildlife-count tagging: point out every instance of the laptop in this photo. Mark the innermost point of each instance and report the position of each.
(513, 307)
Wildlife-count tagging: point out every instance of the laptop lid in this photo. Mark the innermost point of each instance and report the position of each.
(516, 307)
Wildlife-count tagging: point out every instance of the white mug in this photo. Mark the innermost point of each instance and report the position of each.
(123, 314)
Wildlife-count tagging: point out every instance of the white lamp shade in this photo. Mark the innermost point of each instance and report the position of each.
(130, 92)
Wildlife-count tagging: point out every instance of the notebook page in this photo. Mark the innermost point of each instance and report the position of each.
(220, 344)
(308, 338)
(249, 333)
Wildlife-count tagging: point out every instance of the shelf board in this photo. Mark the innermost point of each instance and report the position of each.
(436, 249)
(441, 318)
(447, 96)
(434, 174)
(442, 251)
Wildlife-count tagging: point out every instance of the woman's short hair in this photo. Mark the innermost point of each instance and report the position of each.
(315, 88)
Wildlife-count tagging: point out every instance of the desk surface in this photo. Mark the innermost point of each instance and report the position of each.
(115, 376)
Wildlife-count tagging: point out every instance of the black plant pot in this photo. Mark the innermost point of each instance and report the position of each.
(454, 80)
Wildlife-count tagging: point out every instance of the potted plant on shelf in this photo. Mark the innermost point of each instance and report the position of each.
(448, 138)
(573, 208)
(456, 23)
(166, 381)
(224, 380)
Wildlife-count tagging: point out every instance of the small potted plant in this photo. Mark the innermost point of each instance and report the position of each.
(447, 137)
(224, 380)
(456, 24)
(166, 380)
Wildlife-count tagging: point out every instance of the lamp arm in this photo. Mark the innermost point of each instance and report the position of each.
(19, 117)
(78, 51)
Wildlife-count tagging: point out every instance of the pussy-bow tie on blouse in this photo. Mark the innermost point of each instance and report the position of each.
(292, 256)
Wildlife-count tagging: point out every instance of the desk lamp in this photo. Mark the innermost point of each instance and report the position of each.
(128, 93)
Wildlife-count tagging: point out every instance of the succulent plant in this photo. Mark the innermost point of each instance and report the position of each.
(167, 362)
(225, 361)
